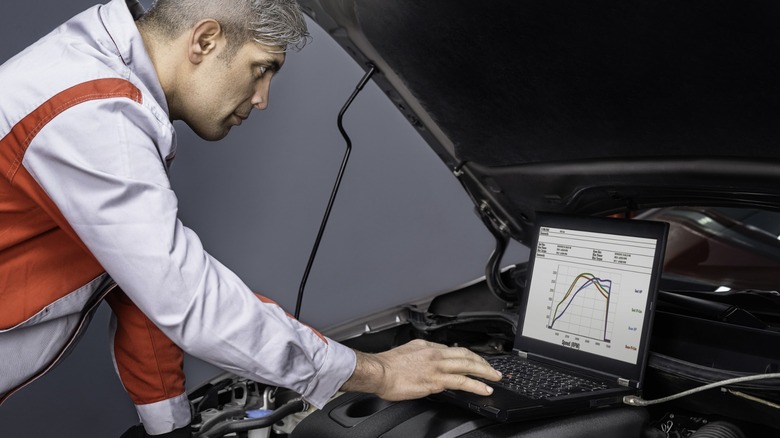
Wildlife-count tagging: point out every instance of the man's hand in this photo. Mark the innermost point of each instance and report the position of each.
(420, 368)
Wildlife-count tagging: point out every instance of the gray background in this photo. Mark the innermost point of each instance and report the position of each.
(401, 228)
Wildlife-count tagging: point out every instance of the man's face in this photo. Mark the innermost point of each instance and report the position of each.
(223, 92)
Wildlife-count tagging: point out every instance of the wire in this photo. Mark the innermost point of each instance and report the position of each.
(335, 190)
(212, 422)
(493, 268)
(752, 398)
(635, 400)
(219, 430)
(493, 272)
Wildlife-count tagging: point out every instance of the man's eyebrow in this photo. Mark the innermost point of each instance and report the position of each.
(273, 65)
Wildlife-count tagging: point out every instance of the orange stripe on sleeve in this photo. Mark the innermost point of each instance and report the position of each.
(270, 301)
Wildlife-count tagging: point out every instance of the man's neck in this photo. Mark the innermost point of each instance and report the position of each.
(165, 60)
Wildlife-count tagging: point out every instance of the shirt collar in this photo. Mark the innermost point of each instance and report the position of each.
(119, 17)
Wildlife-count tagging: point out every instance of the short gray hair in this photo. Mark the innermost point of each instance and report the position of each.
(269, 22)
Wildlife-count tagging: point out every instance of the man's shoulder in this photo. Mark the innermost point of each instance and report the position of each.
(50, 67)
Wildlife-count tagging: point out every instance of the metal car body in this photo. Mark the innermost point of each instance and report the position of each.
(664, 110)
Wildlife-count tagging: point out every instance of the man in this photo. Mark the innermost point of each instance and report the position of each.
(87, 212)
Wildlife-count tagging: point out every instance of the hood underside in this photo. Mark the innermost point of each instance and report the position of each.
(583, 107)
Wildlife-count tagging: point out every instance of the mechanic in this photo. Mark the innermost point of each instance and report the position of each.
(87, 213)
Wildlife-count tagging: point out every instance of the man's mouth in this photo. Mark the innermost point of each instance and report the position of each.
(239, 118)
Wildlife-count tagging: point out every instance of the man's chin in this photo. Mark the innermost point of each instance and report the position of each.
(215, 134)
(216, 137)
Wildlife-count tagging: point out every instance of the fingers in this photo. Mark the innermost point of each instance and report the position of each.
(461, 361)
(452, 368)
(470, 364)
(420, 368)
(463, 383)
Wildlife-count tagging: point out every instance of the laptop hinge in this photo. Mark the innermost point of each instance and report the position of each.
(622, 381)
(522, 354)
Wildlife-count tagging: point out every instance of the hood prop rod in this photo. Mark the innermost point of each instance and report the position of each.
(313, 254)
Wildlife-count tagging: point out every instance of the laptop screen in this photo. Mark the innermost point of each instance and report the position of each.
(590, 291)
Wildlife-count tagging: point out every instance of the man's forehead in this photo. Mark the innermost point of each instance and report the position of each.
(266, 52)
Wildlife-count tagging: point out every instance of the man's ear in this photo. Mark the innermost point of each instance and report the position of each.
(205, 38)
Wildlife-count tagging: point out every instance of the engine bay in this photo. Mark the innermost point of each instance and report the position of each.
(688, 352)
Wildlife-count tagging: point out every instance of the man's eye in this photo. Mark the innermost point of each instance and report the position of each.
(260, 71)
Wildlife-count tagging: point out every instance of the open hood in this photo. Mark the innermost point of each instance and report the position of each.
(591, 107)
(671, 107)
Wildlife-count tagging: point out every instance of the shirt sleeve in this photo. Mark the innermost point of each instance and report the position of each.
(100, 163)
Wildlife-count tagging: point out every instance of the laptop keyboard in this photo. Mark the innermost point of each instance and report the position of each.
(538, 382)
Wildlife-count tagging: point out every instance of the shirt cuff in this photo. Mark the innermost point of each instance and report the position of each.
(166, 415)
(337, 368)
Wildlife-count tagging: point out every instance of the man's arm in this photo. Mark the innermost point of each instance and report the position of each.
(419, 368)
(107, 177)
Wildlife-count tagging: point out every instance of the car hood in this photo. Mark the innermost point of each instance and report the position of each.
(592, 107)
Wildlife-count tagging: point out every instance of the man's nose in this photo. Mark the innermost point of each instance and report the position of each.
(260, 98)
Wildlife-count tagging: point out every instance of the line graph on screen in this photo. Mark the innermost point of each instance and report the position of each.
(584, 303)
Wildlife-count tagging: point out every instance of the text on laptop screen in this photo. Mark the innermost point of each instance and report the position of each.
(589, 291)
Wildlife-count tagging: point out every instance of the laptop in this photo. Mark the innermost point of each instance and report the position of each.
(586, 312)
